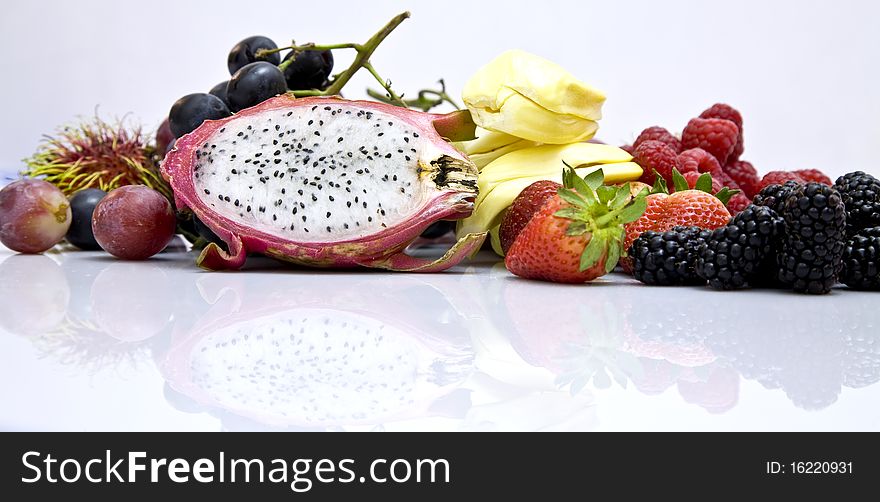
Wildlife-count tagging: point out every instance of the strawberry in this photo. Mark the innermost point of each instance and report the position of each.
(577, 234)
(686, 207)
(526, 204)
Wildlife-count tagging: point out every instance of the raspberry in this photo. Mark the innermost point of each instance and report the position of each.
(727, 112)
(657, 133)
(699, 160)
(814, 175)
(716, 136)
(738, 203)
(727, 181)
(627, 148)
(779, 178)
(723, 111)
(655, 156)
(745, 175)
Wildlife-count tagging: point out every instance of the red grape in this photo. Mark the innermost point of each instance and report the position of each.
(34, 215)
(133, 222)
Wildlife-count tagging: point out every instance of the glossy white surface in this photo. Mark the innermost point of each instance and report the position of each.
(89, 342)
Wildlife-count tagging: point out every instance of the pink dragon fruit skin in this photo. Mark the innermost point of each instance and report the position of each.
(349, 180)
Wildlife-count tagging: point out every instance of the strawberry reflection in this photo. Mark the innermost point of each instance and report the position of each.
(595, 337)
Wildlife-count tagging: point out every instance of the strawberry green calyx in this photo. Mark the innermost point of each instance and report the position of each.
(599, 211)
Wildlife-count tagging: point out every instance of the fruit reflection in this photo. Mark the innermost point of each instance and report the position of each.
(317, 357)
(595, 337)
(131, 301)
(35, 294)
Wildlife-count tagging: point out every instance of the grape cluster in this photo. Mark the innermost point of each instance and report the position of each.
(255, 77)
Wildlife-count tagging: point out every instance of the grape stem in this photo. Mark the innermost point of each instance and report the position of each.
(427, 98)
(362, 60)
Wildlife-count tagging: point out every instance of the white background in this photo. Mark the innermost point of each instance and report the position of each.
(804, 74)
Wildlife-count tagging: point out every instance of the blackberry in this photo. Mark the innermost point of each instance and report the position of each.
(667, 258)
(738, 255)
(861, 260)
(773, 196)
(812, 252)
(861, 196)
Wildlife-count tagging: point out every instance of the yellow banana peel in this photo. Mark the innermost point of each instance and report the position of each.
(531, 98)
(502, 180)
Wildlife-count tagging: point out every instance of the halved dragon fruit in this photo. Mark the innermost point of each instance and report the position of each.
(326, 182)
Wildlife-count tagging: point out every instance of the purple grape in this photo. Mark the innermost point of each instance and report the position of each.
(82, 204)
(219, 90)
(244, 53)
(310, 69)
(190, 111)
(254, 84)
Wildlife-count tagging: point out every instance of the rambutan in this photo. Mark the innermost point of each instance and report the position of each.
(97, 154)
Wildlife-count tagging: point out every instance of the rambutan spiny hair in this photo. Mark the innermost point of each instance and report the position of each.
(97, 154)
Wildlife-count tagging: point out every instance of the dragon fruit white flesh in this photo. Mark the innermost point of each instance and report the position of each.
(325, 182)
